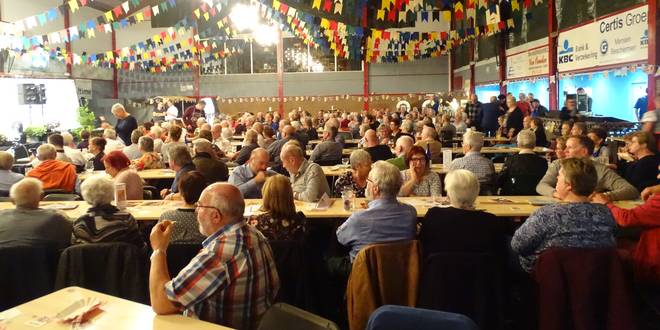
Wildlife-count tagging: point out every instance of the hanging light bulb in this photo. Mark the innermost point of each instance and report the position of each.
(265, 35)
(244, 17)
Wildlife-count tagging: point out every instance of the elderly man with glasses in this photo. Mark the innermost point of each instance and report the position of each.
(233, 279)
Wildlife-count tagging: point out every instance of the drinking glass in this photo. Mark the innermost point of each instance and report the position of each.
(345, 161)
(89, 166)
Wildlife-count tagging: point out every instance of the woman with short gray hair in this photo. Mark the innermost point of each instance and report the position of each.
(522, 171)
(460, 227)
(104, 222)
(356, 178)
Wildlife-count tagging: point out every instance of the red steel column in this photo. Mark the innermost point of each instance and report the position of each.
(472, 82)
(552, 56)
(653, 54)
(502, 56)
(365, 64)
(196, 69)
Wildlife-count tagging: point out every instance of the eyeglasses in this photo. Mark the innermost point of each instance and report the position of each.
(198, 206)
(417, 159)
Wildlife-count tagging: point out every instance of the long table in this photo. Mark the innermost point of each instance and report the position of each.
(339, 170)
(504, 206)
(459, 151)
(116, 313)
(153, 174)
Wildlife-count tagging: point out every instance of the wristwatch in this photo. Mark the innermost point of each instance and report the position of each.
(156, 252)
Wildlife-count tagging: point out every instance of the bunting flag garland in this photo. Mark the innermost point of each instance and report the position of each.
(29, 23)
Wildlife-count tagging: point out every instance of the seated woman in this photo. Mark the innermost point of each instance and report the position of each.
(418, 179)
(280, 220)
(646, 253)
(103, 222)
(601, 151)
(575, 223)
(523, 171)
(96, 148)
(150, 159)
(356, 178)
(461, 228)
(186, 228)
(117, 165)
(641, 172)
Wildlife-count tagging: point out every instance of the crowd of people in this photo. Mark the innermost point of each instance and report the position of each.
(233, 279)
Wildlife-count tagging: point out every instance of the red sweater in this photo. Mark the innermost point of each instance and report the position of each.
(646, 256)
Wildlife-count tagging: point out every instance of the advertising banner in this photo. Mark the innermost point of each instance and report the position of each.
(527, 64)
(615, 39)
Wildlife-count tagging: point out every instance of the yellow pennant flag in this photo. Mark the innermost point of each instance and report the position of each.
(515, 5)
(220, 25)
(73, 4)
(376, 34)
(108, 16)
(510, 23)
(276, 5)
(109, 55)
(316, 4)
(446, 15)
(325, 23)
(207, 16)
(197, 13)
(380, 15)
(91, 33)
(139, 17)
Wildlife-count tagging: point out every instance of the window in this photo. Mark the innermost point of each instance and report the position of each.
(264, 59)
(238, 57)
(295, 55)
(320, 61)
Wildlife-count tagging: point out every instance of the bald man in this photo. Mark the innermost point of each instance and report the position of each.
(307, 179)
(374, 148)
(205, 160)
(233, 279)
(403, 145)
(250, 177)
(430, 142)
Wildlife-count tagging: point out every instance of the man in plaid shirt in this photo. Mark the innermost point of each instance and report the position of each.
(475, 162)
(232, 281)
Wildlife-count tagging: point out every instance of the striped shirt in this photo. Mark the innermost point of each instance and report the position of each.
(232, 281)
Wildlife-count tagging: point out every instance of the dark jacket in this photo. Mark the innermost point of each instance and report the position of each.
(487, 116)
(379, 152)
(244, 153)
(125, 127)
(521, 173)
(212, 169)
(98, 162)
(515, 120)
(541, 139)
(106, 223)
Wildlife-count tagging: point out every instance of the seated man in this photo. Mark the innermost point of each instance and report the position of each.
(72, 151)
(113, 143)
(57, 141)
(430, 143)
(475, 162)
(376, 150)
(205, 161)
(275, 149)
(7, 177)
(403, 145)
(307, 179)
(385, 219)
(250, 177)
(27, 224)
(55, 174)
(328, 152)
(180, 162)
(611, 185)
(133, 151)
(232, 281)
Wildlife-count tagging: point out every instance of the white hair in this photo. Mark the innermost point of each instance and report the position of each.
(117, 106)
(526, 139)
(46, 151)
(359, 157)
(226, 133)
(67, 137)
(462, 188)
(474, 139)
(26, 192)
(98, 190)
(386, 177)
(157, 131)
(202, 145)
(109, 133)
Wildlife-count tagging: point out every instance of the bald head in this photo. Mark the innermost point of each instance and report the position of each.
(258, 160)
(288, 131)
(203, 145)
(227, 199)
(26, 193)
(371, 138)
(429, 133)
(403, 145)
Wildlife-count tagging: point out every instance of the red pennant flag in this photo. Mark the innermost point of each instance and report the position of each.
(327, 5)
(386, 35)
(527, 3)
(391, 15)
(147, 12)
(118, 11)
(284, 8)
(501, 25)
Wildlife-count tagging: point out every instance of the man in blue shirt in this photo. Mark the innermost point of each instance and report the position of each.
(641, 106)
(385, 219)
(250, 177)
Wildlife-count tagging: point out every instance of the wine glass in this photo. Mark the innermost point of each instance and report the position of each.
(345, 161)
(89, 166)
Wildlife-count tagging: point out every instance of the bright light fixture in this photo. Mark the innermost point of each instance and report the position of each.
(265, 35)
(244, 17)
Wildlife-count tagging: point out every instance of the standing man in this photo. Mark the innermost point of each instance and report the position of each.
(172, 112)
(487, 116)
(125, 123)
(193, 113)
(642, 105)
(472, 108)
(159, 112)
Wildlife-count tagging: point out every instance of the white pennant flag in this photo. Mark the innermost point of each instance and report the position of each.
(125, 6)
(107, 27)
(155, 10)
(55, 38)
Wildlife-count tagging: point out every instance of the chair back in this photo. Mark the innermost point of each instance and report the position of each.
(391, 317)
(5, 199)
(27, 272)
(467, 283)
(583, 289)
(292, 271)
(283, 316)
(61, 197)
(118, 269)
(4, 193)
(382, 274)
(179, 255)
(331, 162)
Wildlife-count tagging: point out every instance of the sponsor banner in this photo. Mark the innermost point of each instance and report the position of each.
(527, 64)
(616, 39)
(84, 88)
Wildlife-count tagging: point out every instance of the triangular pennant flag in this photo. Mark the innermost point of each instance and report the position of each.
(73, 5)
(125, 6)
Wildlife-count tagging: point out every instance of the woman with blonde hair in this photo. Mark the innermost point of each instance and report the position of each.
(279, 220)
